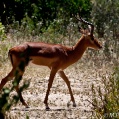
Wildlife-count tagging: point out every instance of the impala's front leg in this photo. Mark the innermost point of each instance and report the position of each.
(64, 77)
(52, 75)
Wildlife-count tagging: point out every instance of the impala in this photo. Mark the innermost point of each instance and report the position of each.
(55, 56)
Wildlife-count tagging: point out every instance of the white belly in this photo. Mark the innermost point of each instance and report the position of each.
(42, 60)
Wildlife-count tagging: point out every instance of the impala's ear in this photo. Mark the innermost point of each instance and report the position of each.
(83, 31)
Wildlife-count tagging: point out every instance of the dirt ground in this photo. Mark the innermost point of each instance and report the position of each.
(81, 77)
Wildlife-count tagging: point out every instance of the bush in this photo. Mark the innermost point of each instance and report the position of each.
(105, 98)
(2, 32)
(5, 100)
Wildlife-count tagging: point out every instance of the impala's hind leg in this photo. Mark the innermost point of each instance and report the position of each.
(20, 96)
(18, 76)
(7, 78)
(15, 62)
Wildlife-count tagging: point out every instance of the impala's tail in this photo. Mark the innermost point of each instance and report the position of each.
(10, 56)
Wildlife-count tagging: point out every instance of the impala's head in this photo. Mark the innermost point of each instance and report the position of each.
(91, 41)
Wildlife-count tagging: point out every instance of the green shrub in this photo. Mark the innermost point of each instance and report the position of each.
(5, 100)
(2, 32)
(105, 98)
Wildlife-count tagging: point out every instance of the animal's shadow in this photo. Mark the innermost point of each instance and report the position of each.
(41, 109)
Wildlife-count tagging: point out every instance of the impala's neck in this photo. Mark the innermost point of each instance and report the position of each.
(80, 44)
(78, 50)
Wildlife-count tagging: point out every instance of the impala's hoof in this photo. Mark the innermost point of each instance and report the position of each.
(47, 108)
(27, 106)
(74, 104)
(68, 104)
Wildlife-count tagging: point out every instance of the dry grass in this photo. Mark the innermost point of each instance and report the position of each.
(81, 76)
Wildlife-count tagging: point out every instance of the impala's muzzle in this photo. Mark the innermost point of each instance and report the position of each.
(98, 44)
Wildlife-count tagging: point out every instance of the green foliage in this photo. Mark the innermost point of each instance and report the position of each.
(105, 100)
(43, 11)
(2, 32)
(4, 47)
(5, 100)
(106, 16)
